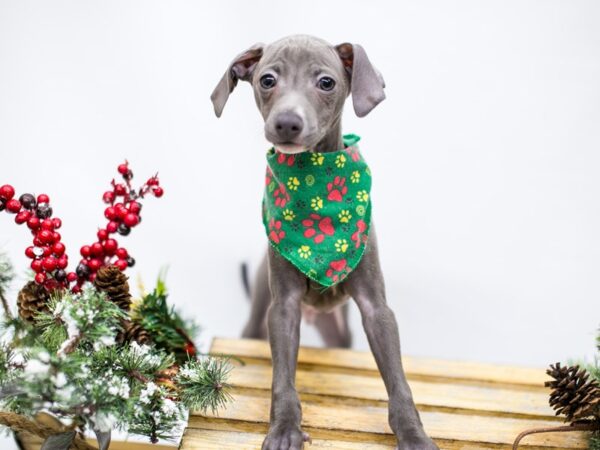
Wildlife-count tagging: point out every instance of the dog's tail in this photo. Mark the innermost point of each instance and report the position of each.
(245, 278)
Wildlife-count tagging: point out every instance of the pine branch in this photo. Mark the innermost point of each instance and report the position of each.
(204, 384)
(6, 276)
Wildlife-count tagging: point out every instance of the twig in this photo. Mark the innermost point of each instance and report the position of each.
(7, 312)
(70, 344)
(590, 426)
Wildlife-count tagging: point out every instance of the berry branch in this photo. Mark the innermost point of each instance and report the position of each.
(48, 252)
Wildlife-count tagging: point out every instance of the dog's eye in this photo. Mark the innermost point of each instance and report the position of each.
(268, 81)
(326, 83)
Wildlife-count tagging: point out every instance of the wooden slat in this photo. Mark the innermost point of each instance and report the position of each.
(421, 367)
(329, 414)
(500, 401)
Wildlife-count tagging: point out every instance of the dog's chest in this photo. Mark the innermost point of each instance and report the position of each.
(318, 300)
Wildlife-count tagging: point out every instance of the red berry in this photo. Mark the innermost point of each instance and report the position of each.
(47, 251)
(112, 227)
(36, 265)
(76, 289)
(152, 181)
(122, 253)
(123, 169)
(33, 223)
(135, 207)
(94, 264)
(49, 263)
(37, 242)
(58, 249)
(7, 192)
(92, 277)
(63, 262)
(57, 223)
(110, 213)
(29, 252)
(121, 264)
(47, 225)
(121, 210)
(158, 191)
(102, 234)
(13, 206)
(43, 198)
(22, 217)
(46, 236)
(97, 249)
(85, 251)
(108, 197)
(71, 276)
(120, 189)
(110, 247)
(50, 284)
(131, 220)
(56, 236)
(40, 278)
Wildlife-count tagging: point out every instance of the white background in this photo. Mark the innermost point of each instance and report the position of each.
(485, 154)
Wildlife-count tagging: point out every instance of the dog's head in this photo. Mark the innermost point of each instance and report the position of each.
(300, 84)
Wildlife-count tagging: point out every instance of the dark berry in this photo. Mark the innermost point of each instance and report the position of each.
(28, 201)
(2, 205)
(60, 275)
(130, 261)
(82, 271)
(123, 230)
(43, 210)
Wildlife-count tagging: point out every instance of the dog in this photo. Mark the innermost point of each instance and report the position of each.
(300, 85)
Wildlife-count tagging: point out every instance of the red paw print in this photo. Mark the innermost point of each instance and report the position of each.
(268, 177)
(323, 227)
(281, 196)
(276, 234)
(282, 158)
(358, 236)
(353, 153)
(337, 189)
(337, 270)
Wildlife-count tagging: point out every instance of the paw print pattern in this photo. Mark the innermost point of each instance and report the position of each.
(337, 189)
(359, 235)
(317, 227)
(288, 160)
(338, 270)
(276, 234)
(281, 196)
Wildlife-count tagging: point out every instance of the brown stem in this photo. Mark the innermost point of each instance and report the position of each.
(19, 423)
(592, 426)
(7, 312)
(70, 345)
(138, 376)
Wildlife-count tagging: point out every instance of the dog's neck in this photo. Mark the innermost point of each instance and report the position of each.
(333, 139)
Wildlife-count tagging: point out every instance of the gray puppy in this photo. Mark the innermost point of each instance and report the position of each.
(300, 85)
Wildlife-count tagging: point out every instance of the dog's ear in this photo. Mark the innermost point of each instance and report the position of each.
(241, 68)
(366, 83)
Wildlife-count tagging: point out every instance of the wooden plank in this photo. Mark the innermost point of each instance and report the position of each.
(420, 367)
(496, 400)
(331, 414)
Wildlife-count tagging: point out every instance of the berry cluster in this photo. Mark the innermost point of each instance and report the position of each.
(49, 260)
(48, 253)
(123, 214)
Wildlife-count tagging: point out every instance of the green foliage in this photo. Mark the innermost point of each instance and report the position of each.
(595, 441)
(204, 384)
(70, 365)
(169, 331)
(7, 272)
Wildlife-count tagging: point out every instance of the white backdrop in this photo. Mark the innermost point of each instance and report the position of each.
(485, 154)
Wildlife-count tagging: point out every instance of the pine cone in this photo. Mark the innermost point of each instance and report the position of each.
(113, 282)
(32, 299)
(573, 395)
(133, 332)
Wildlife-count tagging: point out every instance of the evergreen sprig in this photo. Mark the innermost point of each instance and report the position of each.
(203, 384)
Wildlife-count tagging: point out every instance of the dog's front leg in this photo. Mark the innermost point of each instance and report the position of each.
(288, 287)
(366, 286)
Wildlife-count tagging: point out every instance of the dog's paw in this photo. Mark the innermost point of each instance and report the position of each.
(285, 438)
(417, 443)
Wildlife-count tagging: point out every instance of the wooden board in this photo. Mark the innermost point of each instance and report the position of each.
(463, 405)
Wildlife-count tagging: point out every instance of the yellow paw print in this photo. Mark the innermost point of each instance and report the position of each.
(341, 245)
(288, 214)
(293, 183)
(304, 251)
(316, 203)
(345, 216)
(317, 159)
(362, 196)
(340, 161)
(355, 176)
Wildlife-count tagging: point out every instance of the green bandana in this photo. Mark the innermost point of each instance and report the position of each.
(317, 210)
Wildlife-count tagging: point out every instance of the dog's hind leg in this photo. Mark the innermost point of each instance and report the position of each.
(256, 327)
(333, 327)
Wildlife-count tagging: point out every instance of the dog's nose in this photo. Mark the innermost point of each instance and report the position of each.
(288, 126)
